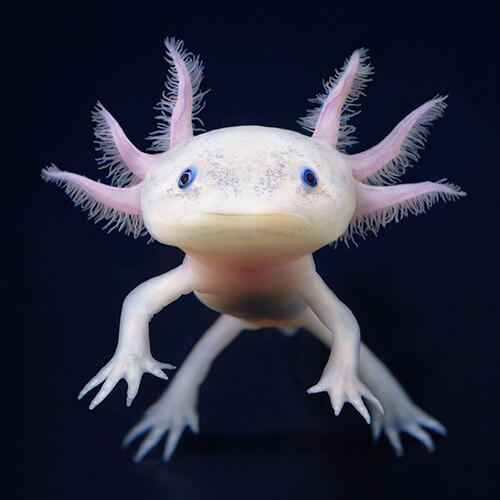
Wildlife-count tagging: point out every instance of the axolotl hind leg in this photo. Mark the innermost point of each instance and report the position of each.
(176, 408)
(400, 413)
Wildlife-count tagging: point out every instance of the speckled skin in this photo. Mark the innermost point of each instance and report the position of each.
(249, 171)
(249, 205)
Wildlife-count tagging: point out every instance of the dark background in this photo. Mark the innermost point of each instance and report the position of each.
(423, 291)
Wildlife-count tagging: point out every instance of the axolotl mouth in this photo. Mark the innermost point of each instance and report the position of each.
(222, 222)
(237, 234)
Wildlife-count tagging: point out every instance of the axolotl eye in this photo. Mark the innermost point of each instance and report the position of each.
(309, 177)
(187, 177)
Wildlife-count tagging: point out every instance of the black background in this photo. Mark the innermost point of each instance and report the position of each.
(423, 291)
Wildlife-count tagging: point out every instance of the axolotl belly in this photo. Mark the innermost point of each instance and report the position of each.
(261, 309)
(263, 296)
(249, 205)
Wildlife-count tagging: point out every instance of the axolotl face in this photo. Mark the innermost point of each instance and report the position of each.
(248, 190)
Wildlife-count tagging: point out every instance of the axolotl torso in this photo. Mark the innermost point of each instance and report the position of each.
(249, 205)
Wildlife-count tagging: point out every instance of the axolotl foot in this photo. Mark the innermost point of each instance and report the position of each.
(129, 366)
(404, 417)
(172, 413)
(343, 389)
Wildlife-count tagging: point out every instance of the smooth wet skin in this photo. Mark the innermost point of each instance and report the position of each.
(249, 186)
(249, 206)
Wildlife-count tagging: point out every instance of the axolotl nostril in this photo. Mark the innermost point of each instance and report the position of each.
(249, 205)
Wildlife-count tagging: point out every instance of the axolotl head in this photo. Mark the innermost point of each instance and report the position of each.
(248, 190)
(255, 191)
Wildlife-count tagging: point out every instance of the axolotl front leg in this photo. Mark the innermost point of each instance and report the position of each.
(133, 355)
(340, 376)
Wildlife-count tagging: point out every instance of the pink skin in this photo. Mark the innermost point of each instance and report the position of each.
(375, 206)
(137, 161)
(375, 198)
(372, 160)
(126, 200)
(328, 124)
(181, 127)
(182, 99)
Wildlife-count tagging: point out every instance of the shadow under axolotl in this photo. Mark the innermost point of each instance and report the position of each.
(285, 466)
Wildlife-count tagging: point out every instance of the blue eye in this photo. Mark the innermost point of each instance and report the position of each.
(187, 177)
(309, 177)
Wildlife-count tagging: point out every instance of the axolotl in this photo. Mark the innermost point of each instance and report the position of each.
(249, 205)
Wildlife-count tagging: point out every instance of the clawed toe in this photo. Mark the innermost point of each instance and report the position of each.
(418, 433)
(135, 432)
(432, 424)
(155, 434)
(411, 421)
(172, 440)
(128, 366)
(357, 402)
(377, 427)
(160, 419)
(394, 436)
(347, 390)
(395, 440)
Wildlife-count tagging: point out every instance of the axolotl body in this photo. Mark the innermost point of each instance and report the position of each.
(249, 205)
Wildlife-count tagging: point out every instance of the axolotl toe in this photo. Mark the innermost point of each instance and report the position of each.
(249, 206)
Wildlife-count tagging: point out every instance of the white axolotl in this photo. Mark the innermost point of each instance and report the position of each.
(249, 205)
